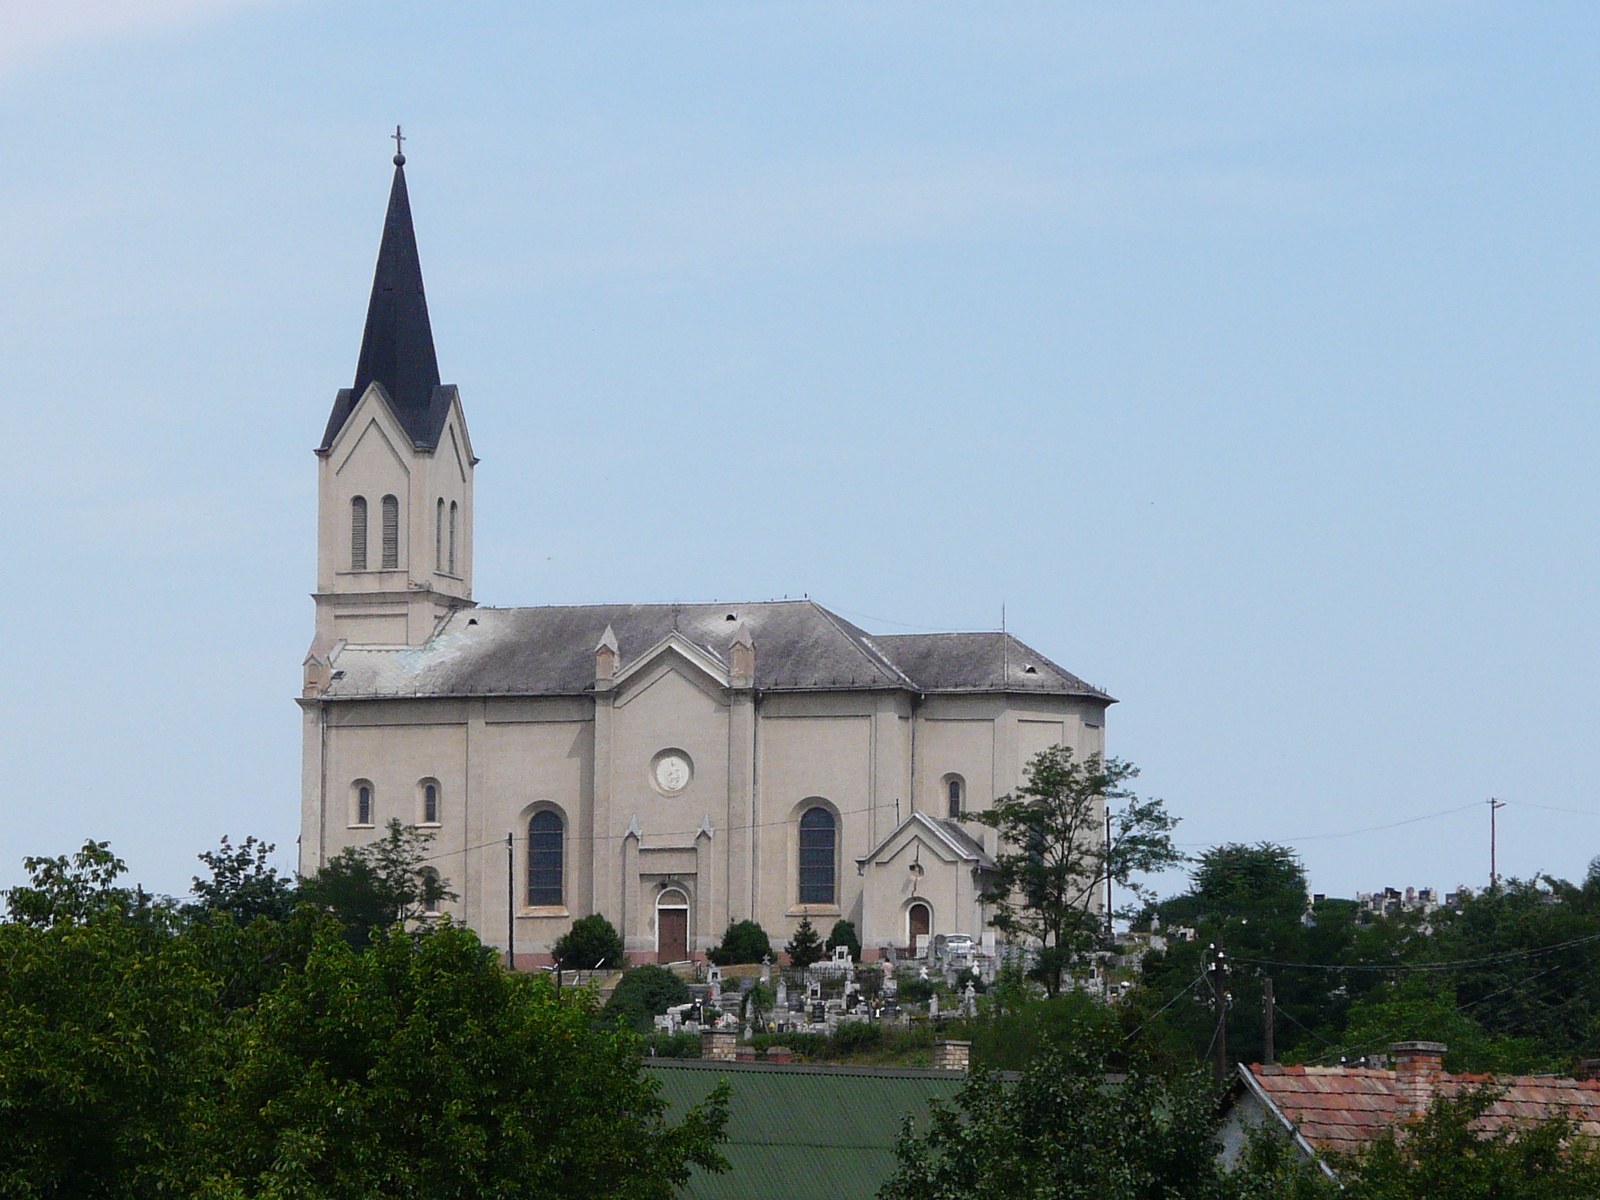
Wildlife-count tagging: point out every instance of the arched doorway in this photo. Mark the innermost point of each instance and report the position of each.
(672, 926)
(919, 920)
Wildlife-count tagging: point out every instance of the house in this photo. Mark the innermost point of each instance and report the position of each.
(804, 1131)
(1341, 1110)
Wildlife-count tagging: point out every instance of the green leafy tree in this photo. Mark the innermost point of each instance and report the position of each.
(1061, 1131)
(242, 884)
(110, 1039)
(385, 882)
(805, 947)
(644, 992)
(420, 1067)
(591, 942)
(76, 889)
(1444, 1157)
(1423, 1006)
(844, 934)
(742, 942)
(1054, 857)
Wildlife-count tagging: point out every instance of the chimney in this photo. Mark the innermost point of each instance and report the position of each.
(779, 1054)
(1418, 1069)
(605, 658)
(951, 1056)
(719, 1044)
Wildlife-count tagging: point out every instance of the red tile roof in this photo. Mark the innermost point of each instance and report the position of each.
(1343, 1108)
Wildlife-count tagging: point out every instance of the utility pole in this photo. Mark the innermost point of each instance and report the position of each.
(1219, 996)
(1268, 1013)
(511, 905)
(1494, 872)
(1111, 932)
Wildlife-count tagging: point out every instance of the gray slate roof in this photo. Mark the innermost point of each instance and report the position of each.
(799, 646)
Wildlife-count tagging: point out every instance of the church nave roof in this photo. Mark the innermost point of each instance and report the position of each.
(799, 646)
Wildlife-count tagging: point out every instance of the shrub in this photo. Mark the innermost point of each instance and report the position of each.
(744, 942)
(852, 1036)
(805, 947)
(591, 942)
(643, 993)
(844, 934)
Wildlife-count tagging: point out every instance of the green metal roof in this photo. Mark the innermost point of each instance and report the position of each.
(803, 1131)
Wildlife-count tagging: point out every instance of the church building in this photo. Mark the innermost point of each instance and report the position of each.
(677, 767)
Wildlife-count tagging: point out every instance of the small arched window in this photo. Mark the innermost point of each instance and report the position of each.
(431, 887)
(438, 536)
(363, 804)
(430, 803)
(391, 533)
(452, 537)
(544, 859)
(358, 533)
(817, 837)
(954, 788)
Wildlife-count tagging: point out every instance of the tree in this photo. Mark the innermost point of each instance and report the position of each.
(805, 947)
(1423, 1006)
(420, 1067)
(742, 942)
(644, 992)
(1061, 1131)
(1443, 1157)
(379, 884)
(74, 890)
(242, 884)
(1054, 858)
(844, 934)
(110, 1038)
(591, 942)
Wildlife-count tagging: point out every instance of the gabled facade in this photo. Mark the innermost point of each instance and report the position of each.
(675, 767)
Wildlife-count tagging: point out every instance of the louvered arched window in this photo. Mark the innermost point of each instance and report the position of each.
(452, 537)
(438, 536)
(544, 859)
(816, 856)
(358, 533)
(391, 533)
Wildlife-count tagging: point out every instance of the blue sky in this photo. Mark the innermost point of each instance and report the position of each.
(1245, 353)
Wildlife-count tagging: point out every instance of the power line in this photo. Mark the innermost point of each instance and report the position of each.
(1421, 968)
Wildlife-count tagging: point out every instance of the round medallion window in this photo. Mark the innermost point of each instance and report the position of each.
(671, 772)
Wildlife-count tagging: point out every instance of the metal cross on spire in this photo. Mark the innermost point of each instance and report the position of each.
(399, 151)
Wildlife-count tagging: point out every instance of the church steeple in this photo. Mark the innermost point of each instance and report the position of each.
(397, 344)
(394, 491)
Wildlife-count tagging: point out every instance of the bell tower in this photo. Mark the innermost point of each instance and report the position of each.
(394, 470)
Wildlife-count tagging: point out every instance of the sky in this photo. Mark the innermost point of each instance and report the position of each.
(1244, 354)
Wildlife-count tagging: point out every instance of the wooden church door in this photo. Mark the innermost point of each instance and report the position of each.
(672, 935)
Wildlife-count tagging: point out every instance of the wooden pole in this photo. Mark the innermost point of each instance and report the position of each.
(511, 905)
(1268, 1006)
(1219, 992)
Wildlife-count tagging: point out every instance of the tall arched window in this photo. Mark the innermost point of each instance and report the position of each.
(358, 533)
(438, 536)
(816, 857)
(544, 859)
(430, 803)
(363, 804)
(391, 533)
(452, 537)
(953, 789)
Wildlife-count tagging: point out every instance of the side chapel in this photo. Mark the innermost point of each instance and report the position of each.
(676, 767)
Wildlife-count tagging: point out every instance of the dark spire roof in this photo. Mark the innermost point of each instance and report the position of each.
(397, 346)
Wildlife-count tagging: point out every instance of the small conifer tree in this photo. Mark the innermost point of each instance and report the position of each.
(805, 947)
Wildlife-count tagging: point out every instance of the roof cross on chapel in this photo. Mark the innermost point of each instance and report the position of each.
(399, 151)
